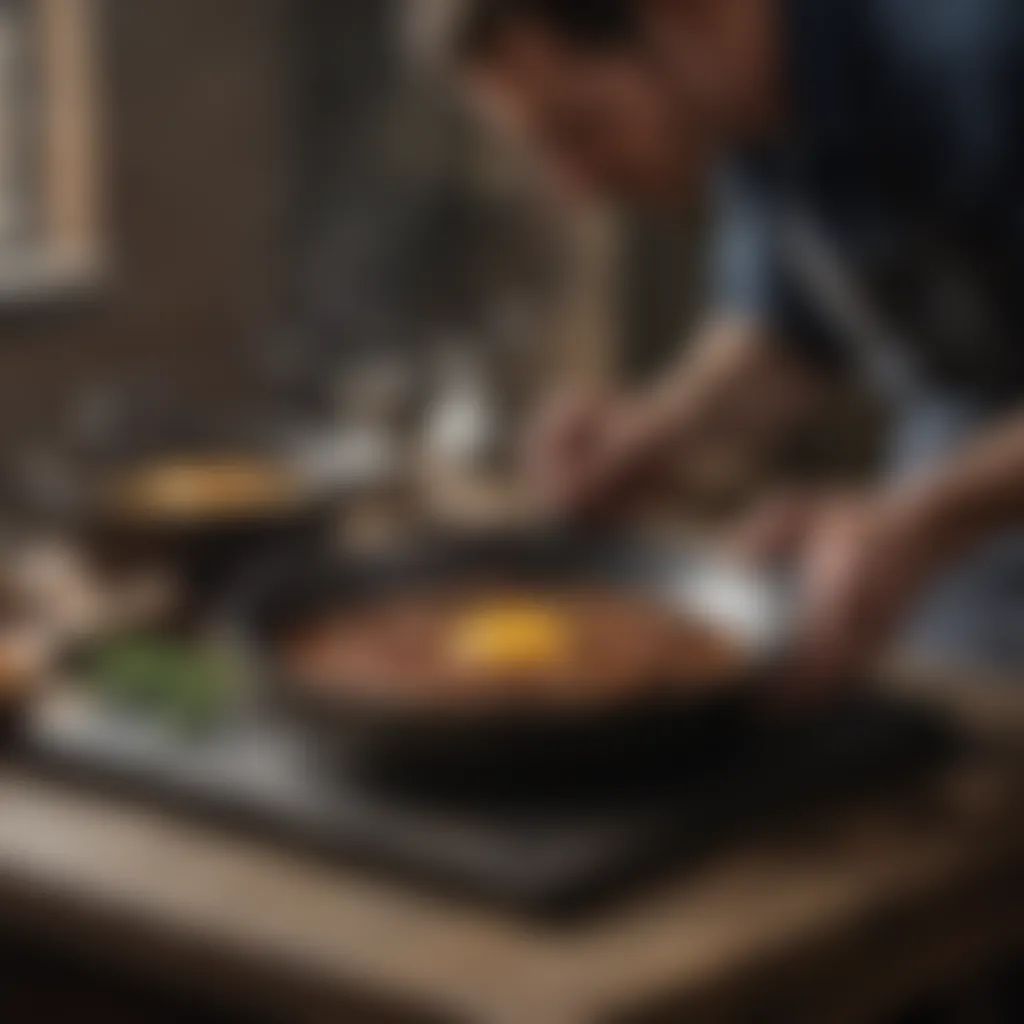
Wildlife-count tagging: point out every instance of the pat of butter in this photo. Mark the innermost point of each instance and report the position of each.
(515, 637)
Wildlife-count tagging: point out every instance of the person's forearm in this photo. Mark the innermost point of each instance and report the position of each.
(976, 496)
(733, 378)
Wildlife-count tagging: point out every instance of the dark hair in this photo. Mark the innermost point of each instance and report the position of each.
(597, 24)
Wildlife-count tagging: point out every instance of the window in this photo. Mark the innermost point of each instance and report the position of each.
(50, 239)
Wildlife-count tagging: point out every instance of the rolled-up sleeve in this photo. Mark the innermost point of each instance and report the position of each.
(751, 278)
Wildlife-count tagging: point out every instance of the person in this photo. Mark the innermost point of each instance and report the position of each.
(865, 159)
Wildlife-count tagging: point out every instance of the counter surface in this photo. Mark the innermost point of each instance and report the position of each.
(911, 891)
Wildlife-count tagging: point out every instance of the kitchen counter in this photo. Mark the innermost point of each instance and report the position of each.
(908, 893)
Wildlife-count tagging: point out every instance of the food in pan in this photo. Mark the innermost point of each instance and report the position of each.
(510, 635)
(499, 644)
(214, 489)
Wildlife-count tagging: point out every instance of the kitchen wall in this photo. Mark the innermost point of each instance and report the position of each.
(206, 117)
(195, 105)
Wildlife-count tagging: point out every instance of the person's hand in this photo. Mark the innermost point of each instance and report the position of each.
(862, 563)
(587, 454)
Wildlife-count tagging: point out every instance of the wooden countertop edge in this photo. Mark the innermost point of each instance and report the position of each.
(239, 918)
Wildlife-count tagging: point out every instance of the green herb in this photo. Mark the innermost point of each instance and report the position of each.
(190, 687)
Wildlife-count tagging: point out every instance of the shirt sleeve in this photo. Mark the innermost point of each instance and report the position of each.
(750, 277)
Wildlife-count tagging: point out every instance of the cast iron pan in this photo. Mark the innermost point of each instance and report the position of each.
(508, 746)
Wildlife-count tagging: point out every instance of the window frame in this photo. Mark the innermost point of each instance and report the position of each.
(66, 257)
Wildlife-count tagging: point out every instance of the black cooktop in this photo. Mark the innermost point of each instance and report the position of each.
(552, 853)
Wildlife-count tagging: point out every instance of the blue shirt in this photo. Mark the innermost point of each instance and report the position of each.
(907, 152)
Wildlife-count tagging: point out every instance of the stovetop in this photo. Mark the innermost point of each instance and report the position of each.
(543, 854)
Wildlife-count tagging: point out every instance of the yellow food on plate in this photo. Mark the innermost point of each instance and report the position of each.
(219, 489)
(512, 636)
